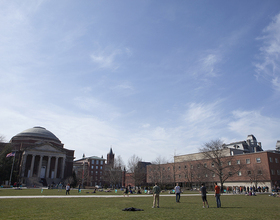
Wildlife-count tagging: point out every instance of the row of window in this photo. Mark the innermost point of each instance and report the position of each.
(96, 167)
(96, 172)
(259, 172)
(271, 160)
(248, 161)
(97, 162)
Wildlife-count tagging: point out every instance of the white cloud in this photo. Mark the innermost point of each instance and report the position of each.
(146, 125)
(253, 122)
(124, 85)
(269, 67)
(107, 58)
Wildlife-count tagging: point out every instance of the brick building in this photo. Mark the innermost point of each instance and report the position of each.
(243, 164)
(90, 170)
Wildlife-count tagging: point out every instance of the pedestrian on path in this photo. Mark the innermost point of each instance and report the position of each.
(203, 192)
(156, 192)
(177, 192)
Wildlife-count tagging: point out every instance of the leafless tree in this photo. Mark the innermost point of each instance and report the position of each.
(222, 165)
(2, 139)
(113, 175)
(159, 173)
(257, 175)
(137, 171)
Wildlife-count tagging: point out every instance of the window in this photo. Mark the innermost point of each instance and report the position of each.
(206, 175)
(230, 173)
(276, 160)
(205, 165)
(100, 167)
(229, 163)
(186, 176)
(198, 166)
(100, 172)
(249, 172)
(213, 174)
(278, 172)
(92, 162)
(212, 164)
(259, 172)
(179, 167)
(272, 172)
(191, 166)
(238, 162)
(270, 159)
(248, 161)
(258, 159)
(101, 162)
(179, 176)
(185, 167)
(91, 167)
(168, 168)
(96, 167)
(91, 172)
(96, 172)
(239, 173)
(97, 161)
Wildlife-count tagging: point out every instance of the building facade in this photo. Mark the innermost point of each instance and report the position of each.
(41, 158)
(90, 171)
(246, 166)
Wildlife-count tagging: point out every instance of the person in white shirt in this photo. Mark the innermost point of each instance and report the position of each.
(177, 192)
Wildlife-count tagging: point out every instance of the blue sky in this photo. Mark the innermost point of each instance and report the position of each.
(150, 78)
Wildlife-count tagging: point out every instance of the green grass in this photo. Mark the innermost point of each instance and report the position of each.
(233, 207)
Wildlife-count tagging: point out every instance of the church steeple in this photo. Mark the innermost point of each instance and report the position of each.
(110, 158)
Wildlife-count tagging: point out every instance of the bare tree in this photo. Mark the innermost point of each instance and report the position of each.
(2, 139)
(159, 173)
(257, 175)
(114, 174)
(222, 164)
(135, 169)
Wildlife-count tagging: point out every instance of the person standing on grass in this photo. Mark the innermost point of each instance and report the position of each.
(177, 192)
(217, 195)
(68, 189)
(156, 192)
(203, 192)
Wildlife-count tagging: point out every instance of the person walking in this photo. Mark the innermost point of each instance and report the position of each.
(217, 195)
(177, 192)
(156, 192)
(203, 192)
(68, 189)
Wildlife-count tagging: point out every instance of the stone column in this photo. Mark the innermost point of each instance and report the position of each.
(40, 166)
(55, 167)
(32, 165)
(48, 166)
(24, 156)
(62, 168)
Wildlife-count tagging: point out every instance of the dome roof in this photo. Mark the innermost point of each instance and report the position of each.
(37, 133)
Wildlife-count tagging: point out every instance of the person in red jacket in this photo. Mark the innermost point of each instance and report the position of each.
(217, 195)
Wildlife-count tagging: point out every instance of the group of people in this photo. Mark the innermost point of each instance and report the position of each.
(203, 191)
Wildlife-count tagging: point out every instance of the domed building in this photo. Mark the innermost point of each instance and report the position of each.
(42, 158)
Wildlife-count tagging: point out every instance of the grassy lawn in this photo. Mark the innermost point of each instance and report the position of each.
(233, 207)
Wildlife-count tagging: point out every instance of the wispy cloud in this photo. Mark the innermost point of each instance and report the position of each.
(252, 122)
(108, 58)
(269, 67)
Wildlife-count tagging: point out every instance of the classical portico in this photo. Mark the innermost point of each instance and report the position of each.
(43, 157)
(43, 164)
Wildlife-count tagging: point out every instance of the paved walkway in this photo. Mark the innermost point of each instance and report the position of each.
(90, 196)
